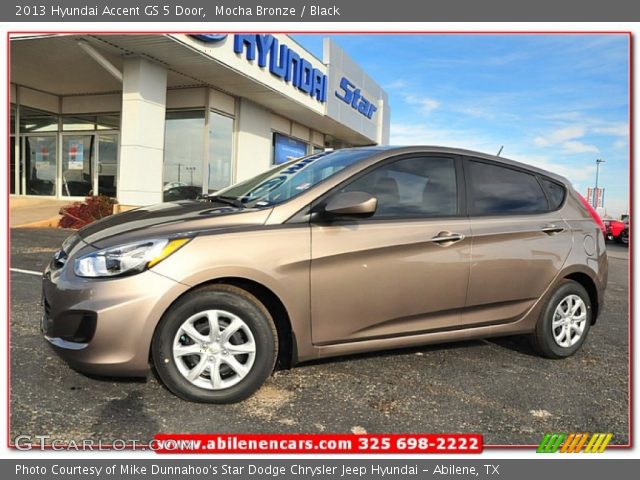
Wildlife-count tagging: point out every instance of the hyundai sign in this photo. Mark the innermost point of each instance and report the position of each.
(209, 37)
(355, 99)
(283, 62)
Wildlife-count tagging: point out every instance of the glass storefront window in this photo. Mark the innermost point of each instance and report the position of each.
(90, 122)
(78, 152)
(108, 122)
(40, 164)
(107, 164)
(287, 148)
(12, 120)
(78, 123)
(32, 120)
(220, 151)
(183, 151)
(12, 165)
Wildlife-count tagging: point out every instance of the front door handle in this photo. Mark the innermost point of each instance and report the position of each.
(446, 238)
(552, 229)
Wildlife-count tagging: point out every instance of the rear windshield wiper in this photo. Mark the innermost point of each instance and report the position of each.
(233, 201)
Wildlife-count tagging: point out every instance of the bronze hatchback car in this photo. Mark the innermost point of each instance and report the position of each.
(336, 253)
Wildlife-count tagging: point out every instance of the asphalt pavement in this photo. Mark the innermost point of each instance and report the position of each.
(499, 388)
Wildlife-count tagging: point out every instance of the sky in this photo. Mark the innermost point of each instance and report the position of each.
(555, 101)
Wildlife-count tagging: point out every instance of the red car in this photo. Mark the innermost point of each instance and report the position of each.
(618, 230)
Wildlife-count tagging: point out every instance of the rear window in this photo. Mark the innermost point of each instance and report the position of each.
(555, 193)
(497, 190)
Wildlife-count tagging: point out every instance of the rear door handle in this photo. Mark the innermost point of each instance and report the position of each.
(446, 238)
(552, 229)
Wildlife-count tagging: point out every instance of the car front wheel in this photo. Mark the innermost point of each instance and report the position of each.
(564, 323)
(217, 344)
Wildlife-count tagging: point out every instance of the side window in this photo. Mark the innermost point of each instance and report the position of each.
(497, 190)
(555, 192)
(412, 187)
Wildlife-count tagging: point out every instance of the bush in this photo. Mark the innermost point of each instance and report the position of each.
(79, 214)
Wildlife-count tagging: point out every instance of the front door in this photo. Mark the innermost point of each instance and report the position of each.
(402, 271)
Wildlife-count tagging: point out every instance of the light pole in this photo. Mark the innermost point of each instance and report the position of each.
(595, 191)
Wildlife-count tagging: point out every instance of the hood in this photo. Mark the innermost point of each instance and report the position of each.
(169, 219)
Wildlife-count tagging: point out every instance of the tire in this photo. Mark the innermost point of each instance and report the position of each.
(624, 237)
(548, 340)
(183, 346)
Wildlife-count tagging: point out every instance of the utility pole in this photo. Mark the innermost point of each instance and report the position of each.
(595, 192)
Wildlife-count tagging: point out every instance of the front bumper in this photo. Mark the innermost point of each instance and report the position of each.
(105, 326)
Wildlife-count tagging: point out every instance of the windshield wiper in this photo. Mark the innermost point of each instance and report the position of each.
(233, 201)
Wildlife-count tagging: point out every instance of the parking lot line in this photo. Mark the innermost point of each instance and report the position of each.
(28, 272)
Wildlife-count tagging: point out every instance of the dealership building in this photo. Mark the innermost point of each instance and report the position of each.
(150, 117)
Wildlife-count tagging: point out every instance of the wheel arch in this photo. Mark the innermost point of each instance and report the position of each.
(287, 352)
(589, 285)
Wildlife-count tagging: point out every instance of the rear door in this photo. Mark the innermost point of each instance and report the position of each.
(519, 240)
(402, 271)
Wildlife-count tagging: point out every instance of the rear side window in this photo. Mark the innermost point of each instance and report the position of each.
(497, 190)
(555, 193)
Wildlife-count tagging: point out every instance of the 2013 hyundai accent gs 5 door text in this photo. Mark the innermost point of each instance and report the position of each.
(336, 253)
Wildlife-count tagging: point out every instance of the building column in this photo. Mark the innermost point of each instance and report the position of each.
(144, 94)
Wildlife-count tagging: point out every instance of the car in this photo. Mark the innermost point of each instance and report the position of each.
(181, 192)
(341, 252)
(618, 230)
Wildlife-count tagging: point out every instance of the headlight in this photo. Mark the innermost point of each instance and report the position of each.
(126, 259)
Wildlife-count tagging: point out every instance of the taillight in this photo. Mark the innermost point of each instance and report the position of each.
(594, 215)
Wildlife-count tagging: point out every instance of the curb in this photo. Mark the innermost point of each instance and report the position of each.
(48, 223)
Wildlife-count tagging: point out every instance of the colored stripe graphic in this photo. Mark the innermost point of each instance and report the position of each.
(574, 442)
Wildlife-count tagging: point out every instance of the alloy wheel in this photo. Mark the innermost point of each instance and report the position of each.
(214, 349)
(569, 321)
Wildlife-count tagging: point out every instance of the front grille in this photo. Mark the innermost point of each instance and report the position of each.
(45, 321)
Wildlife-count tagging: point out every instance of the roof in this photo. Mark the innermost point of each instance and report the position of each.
(399, 149)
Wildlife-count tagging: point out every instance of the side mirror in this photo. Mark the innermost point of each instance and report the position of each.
(353, 204)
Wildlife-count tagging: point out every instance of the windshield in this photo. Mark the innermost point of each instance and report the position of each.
(286, 181)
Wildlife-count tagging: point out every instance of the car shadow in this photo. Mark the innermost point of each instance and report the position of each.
(519, 344)
(109, 379)
(466, 344)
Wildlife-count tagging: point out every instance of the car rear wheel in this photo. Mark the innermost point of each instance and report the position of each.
(217, 344)
(624, 237)
(564, 323)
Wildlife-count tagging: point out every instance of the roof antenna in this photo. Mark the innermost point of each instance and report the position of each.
(500, 151)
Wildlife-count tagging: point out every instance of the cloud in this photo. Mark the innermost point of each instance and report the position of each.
(575, 146)
(560, 136)
(425, 104)
(575, 175)
(396, 85)
(506, 58)
(428, 105)
(616, 130)
(567, 140)
(620, 144)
